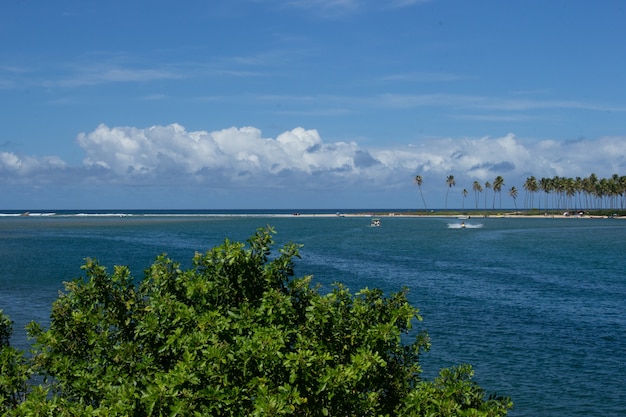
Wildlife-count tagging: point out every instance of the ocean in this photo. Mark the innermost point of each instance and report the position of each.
(536, 305)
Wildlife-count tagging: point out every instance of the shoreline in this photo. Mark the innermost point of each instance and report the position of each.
(452, 214)
(455, 216)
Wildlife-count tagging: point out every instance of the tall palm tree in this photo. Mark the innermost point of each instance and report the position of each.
(570, 192)
(498, 183)
(599, 191)
(418, 181)
(622, 187)
(614, 189)
(560, 188)
(487, 186)
(464, 192)
(477, 190)
(513, 194)
(578, 188)
(586, 191)
(531, 187)
(592, 188)
(545, 185)
(451, 183)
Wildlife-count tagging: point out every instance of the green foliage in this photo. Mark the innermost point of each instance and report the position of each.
(236, 335)
(451, 394)
(14, 370)
(6, 329)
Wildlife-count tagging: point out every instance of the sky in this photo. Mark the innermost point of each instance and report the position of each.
(303, 104)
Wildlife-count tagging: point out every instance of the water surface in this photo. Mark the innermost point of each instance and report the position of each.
(537, 306)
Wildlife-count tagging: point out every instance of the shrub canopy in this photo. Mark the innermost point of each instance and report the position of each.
(234, 335)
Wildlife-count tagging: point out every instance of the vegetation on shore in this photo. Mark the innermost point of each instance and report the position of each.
(234, 335)
(606, 213)
(552, 194)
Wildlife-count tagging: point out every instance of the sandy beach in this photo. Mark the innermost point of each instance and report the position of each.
(457, 216)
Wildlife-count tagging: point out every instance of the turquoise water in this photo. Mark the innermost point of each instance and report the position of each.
(537, 306)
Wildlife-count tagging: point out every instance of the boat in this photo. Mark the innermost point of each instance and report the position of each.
(375, 222)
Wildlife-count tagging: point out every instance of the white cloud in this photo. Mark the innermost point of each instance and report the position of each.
(244, 152)
(20, 168)
(161, 152)
(300, 159)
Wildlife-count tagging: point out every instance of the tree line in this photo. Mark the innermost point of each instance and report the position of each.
(556, 193)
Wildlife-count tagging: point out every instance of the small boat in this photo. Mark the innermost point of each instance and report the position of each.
(462, 225)
(375, 222)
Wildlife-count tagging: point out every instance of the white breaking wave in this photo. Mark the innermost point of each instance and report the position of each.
(464, 225)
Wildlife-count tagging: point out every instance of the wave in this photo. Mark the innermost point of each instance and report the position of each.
(99, 215)
(464, 225)
(143, 215)
(27, 214)
(166, 213)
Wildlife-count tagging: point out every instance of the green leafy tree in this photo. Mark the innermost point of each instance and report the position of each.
(237, 335)
(14, 369)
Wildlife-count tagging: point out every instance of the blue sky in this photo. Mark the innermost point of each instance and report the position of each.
(303, 103)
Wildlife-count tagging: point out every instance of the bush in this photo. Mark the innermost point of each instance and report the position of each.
(14, 370)
(236, 335)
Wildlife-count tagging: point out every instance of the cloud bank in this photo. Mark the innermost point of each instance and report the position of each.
(242, 158)
(234, 156)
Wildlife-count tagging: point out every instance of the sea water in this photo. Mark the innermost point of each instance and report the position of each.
(537, 306)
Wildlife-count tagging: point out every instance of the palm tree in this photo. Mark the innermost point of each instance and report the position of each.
(545, 185)
(498, 183)
(614, 189)
(477, 190)
(587, 188)
(487, 186)
(622, 187)
(603, 192)
(464, 195)
(592, 187)
(418, 181)
(570, 192)
(513, 194)
(451, 183)
(531, 187)
(578, 188)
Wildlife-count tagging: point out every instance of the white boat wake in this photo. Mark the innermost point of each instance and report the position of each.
(464, 225)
